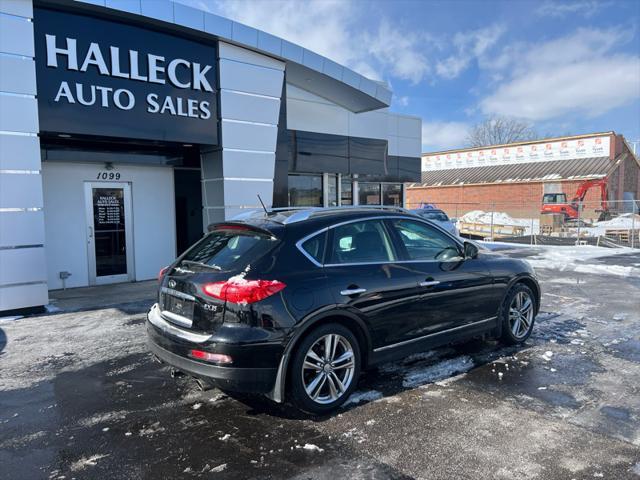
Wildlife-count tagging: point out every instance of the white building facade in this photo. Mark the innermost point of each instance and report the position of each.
(127, 127)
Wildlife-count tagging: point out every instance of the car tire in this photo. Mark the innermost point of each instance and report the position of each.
(329, 378)
(517, 314)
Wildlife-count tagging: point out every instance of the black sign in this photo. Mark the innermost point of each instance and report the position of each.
(97, 77)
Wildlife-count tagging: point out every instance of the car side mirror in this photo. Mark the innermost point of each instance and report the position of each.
(470, 250)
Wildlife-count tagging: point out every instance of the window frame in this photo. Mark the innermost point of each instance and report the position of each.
(398, 249)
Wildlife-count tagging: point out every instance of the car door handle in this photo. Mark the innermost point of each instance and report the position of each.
(429, 283)
(352, 291)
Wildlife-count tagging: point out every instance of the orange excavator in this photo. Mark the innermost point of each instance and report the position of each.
(557, 202)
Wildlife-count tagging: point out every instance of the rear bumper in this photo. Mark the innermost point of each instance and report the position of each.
(254, 368)
(250, 380)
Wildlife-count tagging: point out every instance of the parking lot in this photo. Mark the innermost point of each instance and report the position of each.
(80, 397)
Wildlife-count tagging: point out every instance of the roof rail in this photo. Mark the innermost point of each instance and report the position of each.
(303, 213)
(310, 211)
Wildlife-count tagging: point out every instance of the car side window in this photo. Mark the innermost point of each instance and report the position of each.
(424, 242)
(315, 246)
(361, 242)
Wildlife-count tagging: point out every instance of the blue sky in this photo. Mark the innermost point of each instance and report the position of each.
(565, 67)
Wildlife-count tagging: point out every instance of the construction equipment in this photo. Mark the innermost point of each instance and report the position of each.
(557, 202)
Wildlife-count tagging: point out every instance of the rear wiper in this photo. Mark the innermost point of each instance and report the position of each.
(200, 264)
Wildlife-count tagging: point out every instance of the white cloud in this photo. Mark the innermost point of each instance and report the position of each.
(323, 27)
(583, 8)
(398, 51)
(575, 74)
(444, 135)
(403, 101)
(334, 29)
(590, 87)
(469, 46)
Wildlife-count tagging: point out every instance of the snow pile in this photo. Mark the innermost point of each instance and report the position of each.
(499, 218)
(626, 221)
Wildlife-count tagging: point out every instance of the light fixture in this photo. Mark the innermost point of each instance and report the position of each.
(64, 135)
(187, 145)
(108, 165)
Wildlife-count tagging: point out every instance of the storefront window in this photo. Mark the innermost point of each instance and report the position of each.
(392, 194)
(305, 191)
(332, 191)
(346, 194)
(369, 193)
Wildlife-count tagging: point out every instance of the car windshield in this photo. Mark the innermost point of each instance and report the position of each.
(226, 249)
(434, 215)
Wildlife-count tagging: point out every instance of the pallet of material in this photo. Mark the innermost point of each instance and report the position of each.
(623, 235)
(485, 230)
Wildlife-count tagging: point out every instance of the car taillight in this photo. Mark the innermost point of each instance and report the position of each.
(210, 357)
(243, 291)
(161, 273)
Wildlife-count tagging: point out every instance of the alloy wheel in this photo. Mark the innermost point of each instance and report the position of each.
(520, 314)
(328, 368)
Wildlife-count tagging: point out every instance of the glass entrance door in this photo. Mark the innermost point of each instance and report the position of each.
(109, 235)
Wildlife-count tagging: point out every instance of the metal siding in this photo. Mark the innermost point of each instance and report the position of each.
(521, 172)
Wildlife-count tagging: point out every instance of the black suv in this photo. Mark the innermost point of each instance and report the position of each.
(298, 302)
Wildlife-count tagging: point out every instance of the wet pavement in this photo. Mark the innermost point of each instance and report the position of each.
(81, 398)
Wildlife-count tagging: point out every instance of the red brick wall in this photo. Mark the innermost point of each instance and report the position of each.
(520, 200)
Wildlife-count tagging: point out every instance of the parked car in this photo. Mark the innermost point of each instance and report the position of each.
(295, 304)
(437, 216)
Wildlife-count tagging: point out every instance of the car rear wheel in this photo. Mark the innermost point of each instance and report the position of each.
(325, 369)
(517, 314)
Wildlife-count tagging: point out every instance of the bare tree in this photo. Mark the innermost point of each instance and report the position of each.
(500, 130)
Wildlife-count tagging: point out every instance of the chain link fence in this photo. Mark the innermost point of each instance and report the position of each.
(614, 224)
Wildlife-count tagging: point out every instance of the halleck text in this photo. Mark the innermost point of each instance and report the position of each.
(177, 72)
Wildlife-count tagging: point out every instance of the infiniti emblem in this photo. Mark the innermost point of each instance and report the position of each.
(172, 283)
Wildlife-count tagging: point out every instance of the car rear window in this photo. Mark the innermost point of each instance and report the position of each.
(226, 249)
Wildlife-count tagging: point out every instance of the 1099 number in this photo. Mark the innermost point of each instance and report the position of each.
(108, 176)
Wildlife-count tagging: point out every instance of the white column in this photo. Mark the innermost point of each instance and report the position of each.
(22, 259)
(232, 177)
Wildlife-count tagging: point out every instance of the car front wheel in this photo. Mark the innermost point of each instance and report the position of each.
(517, 314)
(325, 369)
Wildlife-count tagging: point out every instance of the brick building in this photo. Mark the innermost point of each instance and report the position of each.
(512, 178)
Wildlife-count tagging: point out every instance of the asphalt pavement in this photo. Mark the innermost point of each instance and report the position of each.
(80, 397)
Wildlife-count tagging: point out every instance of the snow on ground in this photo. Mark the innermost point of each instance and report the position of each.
(581, 258)
(52, 353)
(421, 375)
(84, 462)
(363, 396)
(311, 447)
